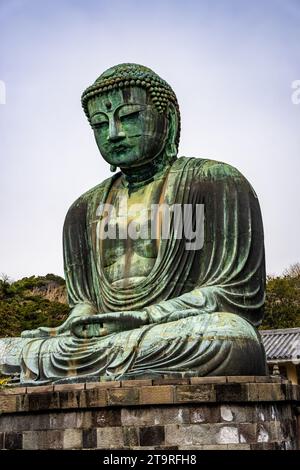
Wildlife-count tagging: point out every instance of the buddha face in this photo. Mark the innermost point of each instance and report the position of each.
(128, 129)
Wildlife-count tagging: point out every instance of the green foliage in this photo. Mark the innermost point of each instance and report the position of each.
(24, 304)
(282, 308)
(4, 286)
(34, 282)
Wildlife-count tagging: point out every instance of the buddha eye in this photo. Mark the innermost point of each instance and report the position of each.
(99, 121)
(130, 111)
(100, 125)
(130, 115)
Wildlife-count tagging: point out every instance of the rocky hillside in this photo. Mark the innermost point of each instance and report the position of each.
(31, 302)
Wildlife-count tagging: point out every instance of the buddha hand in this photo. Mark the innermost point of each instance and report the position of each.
(107, 323)
(79, 311)
(43, 332)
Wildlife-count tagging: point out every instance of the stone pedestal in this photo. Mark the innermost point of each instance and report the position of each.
(198, 413)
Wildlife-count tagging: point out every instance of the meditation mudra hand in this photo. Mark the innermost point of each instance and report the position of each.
(95, 325)
(164, 261)
(108, 323)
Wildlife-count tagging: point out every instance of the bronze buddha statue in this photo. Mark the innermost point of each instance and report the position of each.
(142, 304)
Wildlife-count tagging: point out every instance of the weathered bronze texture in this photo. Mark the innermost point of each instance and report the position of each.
(145, 304)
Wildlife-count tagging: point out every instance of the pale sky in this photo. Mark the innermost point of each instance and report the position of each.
(231, 64)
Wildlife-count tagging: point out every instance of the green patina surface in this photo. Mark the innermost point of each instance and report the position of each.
(145, 304)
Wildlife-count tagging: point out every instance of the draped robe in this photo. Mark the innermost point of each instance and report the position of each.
(204, 305)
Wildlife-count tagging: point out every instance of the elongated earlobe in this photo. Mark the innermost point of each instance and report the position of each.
(171, 150)
(171, 147)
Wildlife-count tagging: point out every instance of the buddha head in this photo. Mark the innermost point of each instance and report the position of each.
(134, 115)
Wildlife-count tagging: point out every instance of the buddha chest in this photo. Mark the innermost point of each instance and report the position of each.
(129, 241)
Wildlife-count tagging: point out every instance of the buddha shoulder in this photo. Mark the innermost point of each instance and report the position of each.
(212, 169)
(79, 206)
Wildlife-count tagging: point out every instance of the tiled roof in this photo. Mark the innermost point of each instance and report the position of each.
(283, 344)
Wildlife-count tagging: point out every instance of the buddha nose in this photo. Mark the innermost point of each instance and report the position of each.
(115, 132)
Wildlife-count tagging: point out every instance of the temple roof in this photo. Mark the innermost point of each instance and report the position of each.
(282, 344)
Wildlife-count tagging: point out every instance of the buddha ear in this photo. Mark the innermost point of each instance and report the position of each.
(171, 147)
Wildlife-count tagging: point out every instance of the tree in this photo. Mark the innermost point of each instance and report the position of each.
(293, 271)
(4, 285)
(282, 308)
(31, 302)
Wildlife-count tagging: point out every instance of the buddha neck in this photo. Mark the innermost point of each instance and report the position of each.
(135, 177)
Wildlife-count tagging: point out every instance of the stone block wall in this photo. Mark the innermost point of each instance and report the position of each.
(199, 413)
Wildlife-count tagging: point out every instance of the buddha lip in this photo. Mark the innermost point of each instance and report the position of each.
(120, 148)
